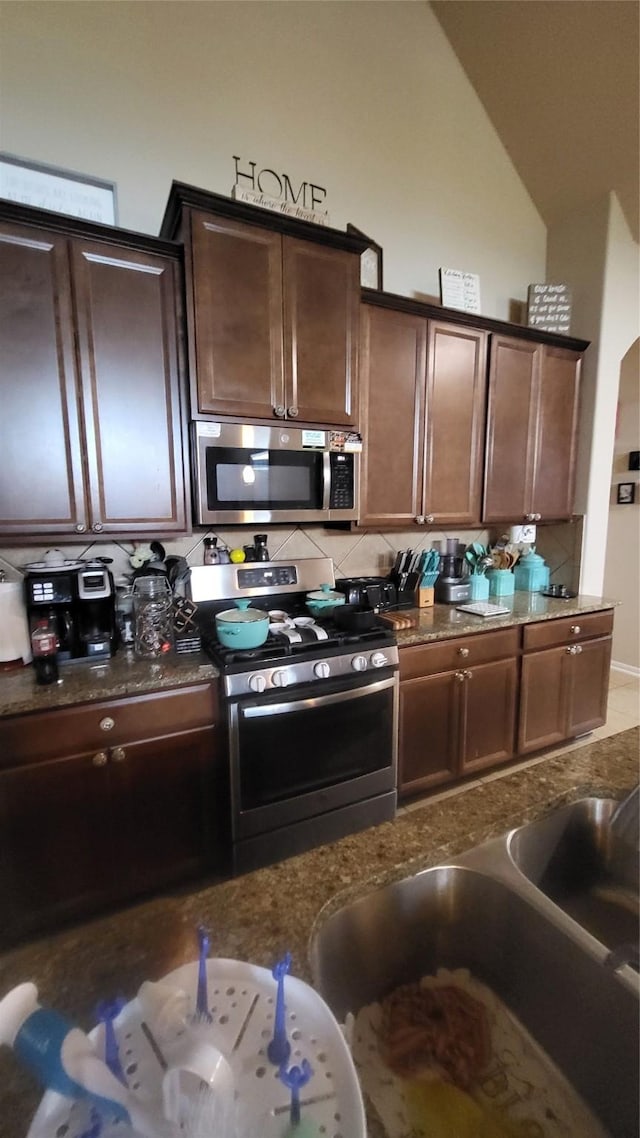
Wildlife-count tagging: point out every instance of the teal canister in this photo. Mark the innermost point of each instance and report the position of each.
(531, 574)
(501, 582)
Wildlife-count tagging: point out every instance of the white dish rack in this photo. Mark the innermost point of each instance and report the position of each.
(242, 1000)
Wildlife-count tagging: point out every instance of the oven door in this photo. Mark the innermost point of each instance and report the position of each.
(298, 757)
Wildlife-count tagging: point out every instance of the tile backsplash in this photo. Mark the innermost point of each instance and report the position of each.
(354, 554)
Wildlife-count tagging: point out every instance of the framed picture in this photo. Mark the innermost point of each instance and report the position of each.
(626, 493)
(370, 261)
(62, 191)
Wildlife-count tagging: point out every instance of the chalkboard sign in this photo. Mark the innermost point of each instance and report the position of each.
(549, 307)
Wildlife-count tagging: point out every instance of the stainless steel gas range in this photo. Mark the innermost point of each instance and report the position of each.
(312, 715)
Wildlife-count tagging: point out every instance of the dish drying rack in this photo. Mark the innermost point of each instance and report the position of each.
(242, 1005)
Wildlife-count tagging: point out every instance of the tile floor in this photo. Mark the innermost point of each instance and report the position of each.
(623, 712)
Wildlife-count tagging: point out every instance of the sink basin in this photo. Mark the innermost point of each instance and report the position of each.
(572, 856)
(579, 1013)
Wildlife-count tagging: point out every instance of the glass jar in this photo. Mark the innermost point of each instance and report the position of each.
(153, 617)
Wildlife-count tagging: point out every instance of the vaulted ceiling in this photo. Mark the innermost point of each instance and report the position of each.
(560, 81)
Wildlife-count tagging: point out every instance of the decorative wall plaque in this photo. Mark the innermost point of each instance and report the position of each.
(62, 191)
(460, 290)
(549, 307)
(370, 260)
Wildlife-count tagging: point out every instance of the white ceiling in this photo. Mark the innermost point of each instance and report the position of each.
(560, 81)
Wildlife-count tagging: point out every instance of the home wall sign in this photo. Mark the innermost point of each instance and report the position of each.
(549, 307)
(275, 191)
(63, 191)
(460, 290)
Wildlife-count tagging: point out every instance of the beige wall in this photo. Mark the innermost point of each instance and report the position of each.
(621, 578)
(366, 99)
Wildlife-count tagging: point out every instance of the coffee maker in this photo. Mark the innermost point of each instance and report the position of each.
(78, 601)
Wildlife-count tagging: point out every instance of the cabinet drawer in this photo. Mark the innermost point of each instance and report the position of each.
(567, 630)
(73, 730)
(463, 651)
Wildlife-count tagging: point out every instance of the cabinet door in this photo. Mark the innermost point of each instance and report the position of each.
(511, 437)
(236, 317)
(588, 686)
(488, 715)
(56, 842)
(557, 426)
(543, 700)
(392, 419)
(126, 320)
(428, 744)
(456, 388)
(165, 804)
(42, 488)
(321, 315)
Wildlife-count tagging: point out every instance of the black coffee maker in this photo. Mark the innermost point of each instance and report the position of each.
(78, 601)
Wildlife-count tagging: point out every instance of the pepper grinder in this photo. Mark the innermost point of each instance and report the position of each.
(261, 553)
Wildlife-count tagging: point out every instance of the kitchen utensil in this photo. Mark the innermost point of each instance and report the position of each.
(399, 620)
(323, 601)
(295, 1079)
(354, 617)
(242, 627)
(202, 1013)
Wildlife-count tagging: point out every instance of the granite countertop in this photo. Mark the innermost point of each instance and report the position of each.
(441, 622)
(125, 675)
(259, 916)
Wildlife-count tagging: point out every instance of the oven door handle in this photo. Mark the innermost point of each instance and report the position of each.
(258, 712)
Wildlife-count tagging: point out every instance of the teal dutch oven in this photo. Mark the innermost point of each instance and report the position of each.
(242, 627)
(323, 602)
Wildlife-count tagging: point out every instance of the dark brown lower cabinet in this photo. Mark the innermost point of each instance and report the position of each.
(458, 701)
(107, 801)
(565, 679)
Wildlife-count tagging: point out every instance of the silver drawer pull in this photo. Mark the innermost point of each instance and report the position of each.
(100, 759)
(107, 724)
(118, 754)
(575, 629)
(463, 651)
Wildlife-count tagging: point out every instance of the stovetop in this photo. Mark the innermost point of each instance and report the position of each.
(278, 647)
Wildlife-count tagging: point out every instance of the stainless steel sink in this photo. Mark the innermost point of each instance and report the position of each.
(456, 916)
(575, 859)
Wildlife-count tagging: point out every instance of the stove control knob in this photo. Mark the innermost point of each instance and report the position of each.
(359, 663)
(378, 660)
(281, 678)
(257, 683)
(321, 670)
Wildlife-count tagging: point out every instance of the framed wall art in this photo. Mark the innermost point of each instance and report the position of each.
(626, 493)
(370, 260)
(62, 191)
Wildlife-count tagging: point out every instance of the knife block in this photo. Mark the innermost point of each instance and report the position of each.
(424, 597)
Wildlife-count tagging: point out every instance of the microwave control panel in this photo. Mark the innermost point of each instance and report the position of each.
(342, 481)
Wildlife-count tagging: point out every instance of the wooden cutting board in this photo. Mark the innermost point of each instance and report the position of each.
(399, 619)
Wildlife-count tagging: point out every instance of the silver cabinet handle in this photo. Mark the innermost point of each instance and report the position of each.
(538, 517)
(575, 629)
(279, 411)
(118, 754)
(100, 759)
(107, 724)
(463, 651)
(80, 528)
(571, 651)
(420, 519)
(529, 517)
(428, 519)
(97, 527)
(293, 412)
(460, 677)
(577, 649)
(468, 675)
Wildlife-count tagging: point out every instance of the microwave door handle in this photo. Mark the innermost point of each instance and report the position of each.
(259, 712)
(326, 479)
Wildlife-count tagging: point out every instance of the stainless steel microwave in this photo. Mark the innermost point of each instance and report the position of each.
(259, 474)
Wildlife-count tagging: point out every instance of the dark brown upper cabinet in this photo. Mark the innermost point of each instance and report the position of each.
(272, 311)
(422, 417)
(532, 423)
(91, 431)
